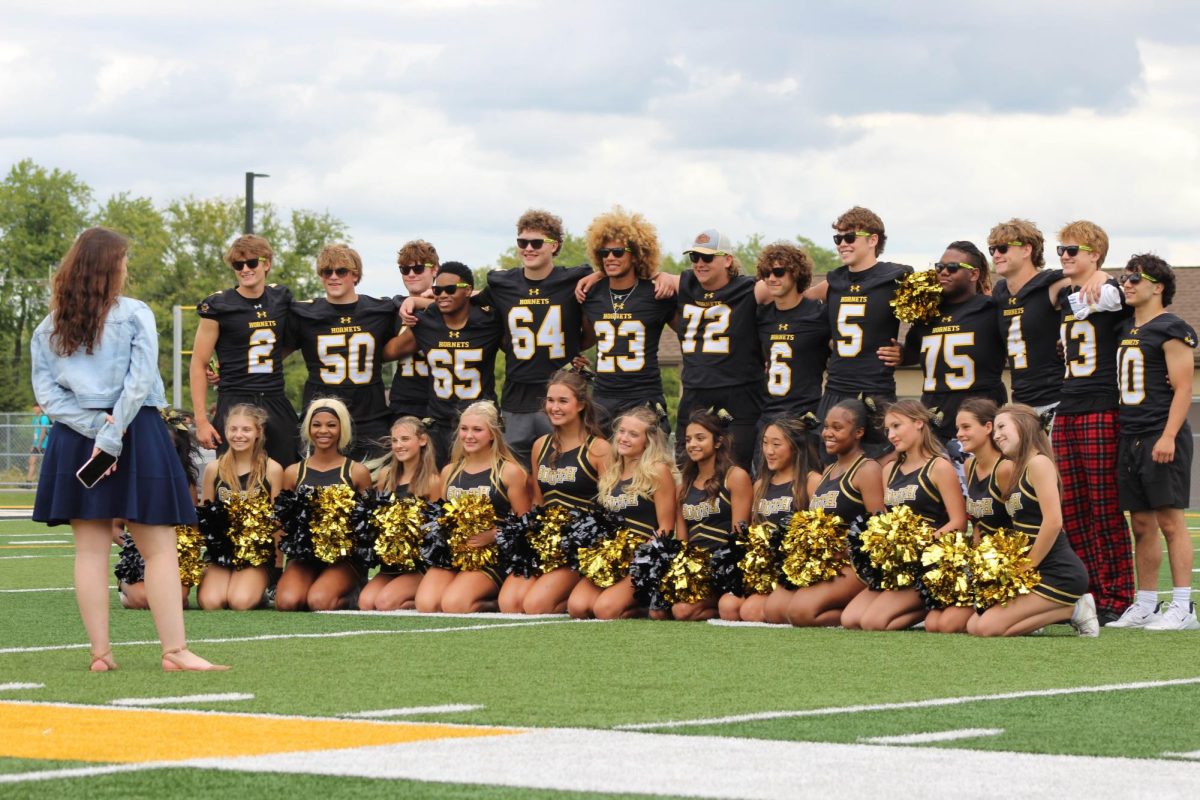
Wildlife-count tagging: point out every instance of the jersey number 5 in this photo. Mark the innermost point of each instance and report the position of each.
(850, 334)
(445, 367)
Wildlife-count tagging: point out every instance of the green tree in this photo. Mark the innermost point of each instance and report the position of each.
(824, 259)
(573, 251)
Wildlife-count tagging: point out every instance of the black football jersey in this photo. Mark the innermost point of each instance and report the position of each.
(1029, 326)
(628, 326)
(718, 334)
(1090, 347)
(543, 328)
(252, 333)
(960, 350)
(862, 320)
(462, 363)
(410, 385)
(1145, 388)
(343, 349)
(796, 345)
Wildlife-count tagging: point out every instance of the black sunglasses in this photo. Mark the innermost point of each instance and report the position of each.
(413, 269)
(951, 267)
(536, 244)
(449, 289)
(238, 265)
(1002, 248)
(341, 272)
(707, 258)
(775, 272)
(1135, 278)
(849, 238)
(1072, 250)
(615, 252)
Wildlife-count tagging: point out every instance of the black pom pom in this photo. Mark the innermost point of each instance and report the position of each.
(517, 556)
(293, 509)
(213, 523)
(588, 530)
(649, 566)
(435, 548)
(870, 575)
(362, 527)
(130, 568)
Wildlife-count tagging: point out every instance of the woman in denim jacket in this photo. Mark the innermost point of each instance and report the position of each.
(95, 374)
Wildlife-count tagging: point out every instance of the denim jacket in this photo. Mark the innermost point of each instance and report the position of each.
(121, 373)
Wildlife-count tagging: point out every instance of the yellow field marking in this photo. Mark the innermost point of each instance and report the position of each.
(97, 734)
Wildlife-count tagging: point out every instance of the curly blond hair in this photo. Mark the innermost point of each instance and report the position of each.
(637, 234)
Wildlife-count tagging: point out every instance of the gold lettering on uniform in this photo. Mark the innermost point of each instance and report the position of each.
(782, 337)
(898, 497)
(525, 301)
(270, 323)
(706, 303)
(1014, 312)
(616, 316)
(855, 288)
(455, 492)
(778, 505)
(978, 509)
(783, 326)
(850, 298)
(619, 502)
(1012, 301)
(455, 334)
(1131, 342)
(947, 329)
(827, 501)
(709, 295)
(346, 329)
(1013, 503)
(459, 345)
(554, 477)
(699, 511)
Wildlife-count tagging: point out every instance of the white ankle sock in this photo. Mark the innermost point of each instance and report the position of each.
(1147, 599)
(1182, 596)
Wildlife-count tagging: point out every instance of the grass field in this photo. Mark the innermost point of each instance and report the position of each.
(365, 705)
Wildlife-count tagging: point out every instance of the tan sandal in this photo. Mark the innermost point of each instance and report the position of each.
(103, 662)
(171, 662)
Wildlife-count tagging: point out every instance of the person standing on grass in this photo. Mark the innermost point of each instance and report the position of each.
(41, 433)
(639, 487)
(923, 479)
(1031, 497)
(851, 487)
(1086, 431)
(418, 262)
(1155, 456)
(246, 329)
(95, 372)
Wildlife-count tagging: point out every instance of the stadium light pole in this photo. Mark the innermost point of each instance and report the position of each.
(250, 176)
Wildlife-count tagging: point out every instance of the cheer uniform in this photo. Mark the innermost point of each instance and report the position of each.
(985, 502)
(777, 504)
(918, 491)
(637, 510)
(251, 335)
(722, 362)
(544, 331)
(836, 495)
(1085, 439)
(343, 349)
(796, 344)
(1064, 577)
(628, 324)
(462, 368)
(961, 355)
(1145, 397)
(569, 480)
(709, 519)
(489, 484)
(322, 478)
(1028, 323)
(225, 492)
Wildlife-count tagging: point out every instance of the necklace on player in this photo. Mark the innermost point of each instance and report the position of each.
(618, 300)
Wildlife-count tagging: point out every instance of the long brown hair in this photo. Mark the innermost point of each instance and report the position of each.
(579, 387)
(722, 458)
(805, 459)
(227, 469)
(86, 286)
(390, 470)
(1034, 441)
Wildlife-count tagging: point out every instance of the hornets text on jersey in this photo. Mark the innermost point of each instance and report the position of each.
(718, 334)
(252, 333)
(1029, 324)
(1145, 386)
(796, 345)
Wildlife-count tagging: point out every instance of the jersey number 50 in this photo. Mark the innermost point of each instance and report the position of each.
(345, 357)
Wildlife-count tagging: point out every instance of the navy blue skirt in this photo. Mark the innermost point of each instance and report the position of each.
(148, 487)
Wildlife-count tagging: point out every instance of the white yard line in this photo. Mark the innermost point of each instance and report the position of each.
(47, 589)
(386, 713)
(280, 636)
(931, 703)
(725, 623)
(40, 541)
(929, 738)
(1193, 755)
(476, 615)
(146, 702)
(15, 687)
(82, 772)
(14, 558)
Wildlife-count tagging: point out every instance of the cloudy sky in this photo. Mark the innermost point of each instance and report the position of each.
(445, 120)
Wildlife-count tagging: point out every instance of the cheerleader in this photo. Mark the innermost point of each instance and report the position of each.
(311, 584)
(1031, 496)
(714, 497)
(638, 486)
(409, 470)
(244, 468)
(480, 463)
(985, 471)
(789, 461)
(566, 465)
(850, 487)
(923, 479)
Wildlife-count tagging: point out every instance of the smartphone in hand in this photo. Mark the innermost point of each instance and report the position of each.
(95, 468)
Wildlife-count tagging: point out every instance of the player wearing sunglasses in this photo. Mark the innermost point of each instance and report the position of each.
(246, 328)
(345, 339)
(1155, 369)
(627, 317)
(418, 263)
(1085, 435)
(960, 350)
(858, 298)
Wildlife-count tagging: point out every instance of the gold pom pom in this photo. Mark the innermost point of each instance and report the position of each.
(398, 544)
(814, 548)
(252, 527)
(946, 575)
(330, 524)
(1001, 569)
(894, 542)
(918, 297)
(608, 561)
(546, 537)
(188, 543)
(689, 576)
(469, 515)
(758, 565)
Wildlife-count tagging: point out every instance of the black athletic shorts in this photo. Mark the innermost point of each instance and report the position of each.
(283, 426)
(1145, 485)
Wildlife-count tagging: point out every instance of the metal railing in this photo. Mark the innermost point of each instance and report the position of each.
(16, 440)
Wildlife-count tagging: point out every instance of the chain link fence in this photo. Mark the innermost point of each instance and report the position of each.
(17, 433)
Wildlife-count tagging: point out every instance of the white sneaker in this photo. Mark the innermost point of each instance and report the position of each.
(1135, 616)
(1176, 618)
(1084, 619)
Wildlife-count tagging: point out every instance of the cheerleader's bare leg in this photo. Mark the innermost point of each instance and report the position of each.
(550, 592)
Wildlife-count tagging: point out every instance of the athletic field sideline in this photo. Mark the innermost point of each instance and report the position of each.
(367, 705)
